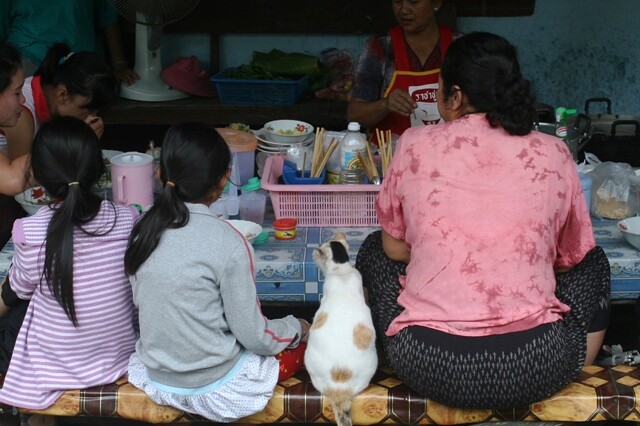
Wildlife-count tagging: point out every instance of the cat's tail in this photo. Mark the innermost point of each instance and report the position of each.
(340, 400)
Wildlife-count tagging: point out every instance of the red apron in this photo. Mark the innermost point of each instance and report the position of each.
(421, 85)
(40, 103)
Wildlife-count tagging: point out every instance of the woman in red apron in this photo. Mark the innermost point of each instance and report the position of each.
(397, 76)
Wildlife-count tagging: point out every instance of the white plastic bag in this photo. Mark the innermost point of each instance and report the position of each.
(614, 191)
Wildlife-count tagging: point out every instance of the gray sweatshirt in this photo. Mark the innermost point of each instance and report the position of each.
(198, 305)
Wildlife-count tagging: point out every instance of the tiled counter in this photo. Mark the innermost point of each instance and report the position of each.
(623, 258)
(285, 270)
(286, 273)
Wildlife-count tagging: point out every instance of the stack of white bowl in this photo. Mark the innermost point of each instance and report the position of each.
(279, 135)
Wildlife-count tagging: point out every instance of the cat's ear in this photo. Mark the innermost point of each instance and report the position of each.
(342, 238)
(321, 253)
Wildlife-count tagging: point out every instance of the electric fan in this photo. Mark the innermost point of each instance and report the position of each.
(150, 16)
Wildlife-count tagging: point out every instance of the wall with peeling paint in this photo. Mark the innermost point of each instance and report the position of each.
(575, 50)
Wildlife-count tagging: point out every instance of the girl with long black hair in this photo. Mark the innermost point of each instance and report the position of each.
(79, 327)
(205, 347)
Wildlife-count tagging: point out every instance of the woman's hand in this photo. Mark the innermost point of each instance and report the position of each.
(399, 101)
(305, 329)
(126, 75)
(96, 123)
(395, 249)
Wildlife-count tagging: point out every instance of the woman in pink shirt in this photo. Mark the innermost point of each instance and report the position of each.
(485, 279)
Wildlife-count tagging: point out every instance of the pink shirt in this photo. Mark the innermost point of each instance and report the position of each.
(487, 216)
(51, 355)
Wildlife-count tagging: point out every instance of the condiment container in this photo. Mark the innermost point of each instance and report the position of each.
(253, 202)
(219, 207)
(243, 146)
(156, 153)
(285, 228)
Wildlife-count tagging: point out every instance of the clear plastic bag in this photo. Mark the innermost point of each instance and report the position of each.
(614, 191)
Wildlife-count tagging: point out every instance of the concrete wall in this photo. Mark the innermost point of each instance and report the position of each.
(570, 49)
(575, 50)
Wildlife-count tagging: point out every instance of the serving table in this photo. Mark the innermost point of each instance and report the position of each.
(624, 260)
(285, 271)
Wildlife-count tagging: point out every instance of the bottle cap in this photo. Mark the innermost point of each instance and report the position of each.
(571, 111)
(354, 126)
(263, 237)
(252, 184)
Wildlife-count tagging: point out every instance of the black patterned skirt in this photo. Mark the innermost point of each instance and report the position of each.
(500, 371)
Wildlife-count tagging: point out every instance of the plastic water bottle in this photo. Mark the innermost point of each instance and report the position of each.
(353, 143)
(561, 122)
(155, 152)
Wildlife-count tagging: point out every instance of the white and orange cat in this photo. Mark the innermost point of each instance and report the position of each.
(341, 354)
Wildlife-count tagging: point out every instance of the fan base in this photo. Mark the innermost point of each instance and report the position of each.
(152, 91)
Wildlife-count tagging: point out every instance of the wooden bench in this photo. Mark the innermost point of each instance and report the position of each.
(598, 394)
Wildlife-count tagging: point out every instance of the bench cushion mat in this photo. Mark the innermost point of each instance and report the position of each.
(597, 394)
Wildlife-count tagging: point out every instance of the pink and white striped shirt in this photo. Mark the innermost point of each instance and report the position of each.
(51, 355)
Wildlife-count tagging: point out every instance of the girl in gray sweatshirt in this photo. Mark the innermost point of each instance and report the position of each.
(205, 347)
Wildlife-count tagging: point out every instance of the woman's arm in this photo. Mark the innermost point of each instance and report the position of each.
(367, 113)
(395, 249)
(370, 113)
(113, 40)
(20, 136)
(15, 175)
(4, 308)
(244, 315)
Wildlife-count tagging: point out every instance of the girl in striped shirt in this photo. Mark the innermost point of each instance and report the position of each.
(78, 330)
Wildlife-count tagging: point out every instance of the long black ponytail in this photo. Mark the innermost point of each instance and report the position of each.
(67, 161)
(194, 160)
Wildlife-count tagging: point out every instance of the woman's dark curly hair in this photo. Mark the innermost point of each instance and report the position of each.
(485, 67)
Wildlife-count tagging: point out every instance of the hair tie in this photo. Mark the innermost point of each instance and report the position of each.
(170, 184)
(73, 183)
(65, 58)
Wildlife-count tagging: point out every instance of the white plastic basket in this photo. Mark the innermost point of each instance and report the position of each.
(319, 205)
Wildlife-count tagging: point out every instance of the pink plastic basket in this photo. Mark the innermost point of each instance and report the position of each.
(320, 205)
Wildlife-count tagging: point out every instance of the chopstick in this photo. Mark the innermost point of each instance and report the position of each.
(366, 166)
(385, 143)
(332, 147)
(372, 162)
(318, 153)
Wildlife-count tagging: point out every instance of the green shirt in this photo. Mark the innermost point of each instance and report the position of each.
(35, 25)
